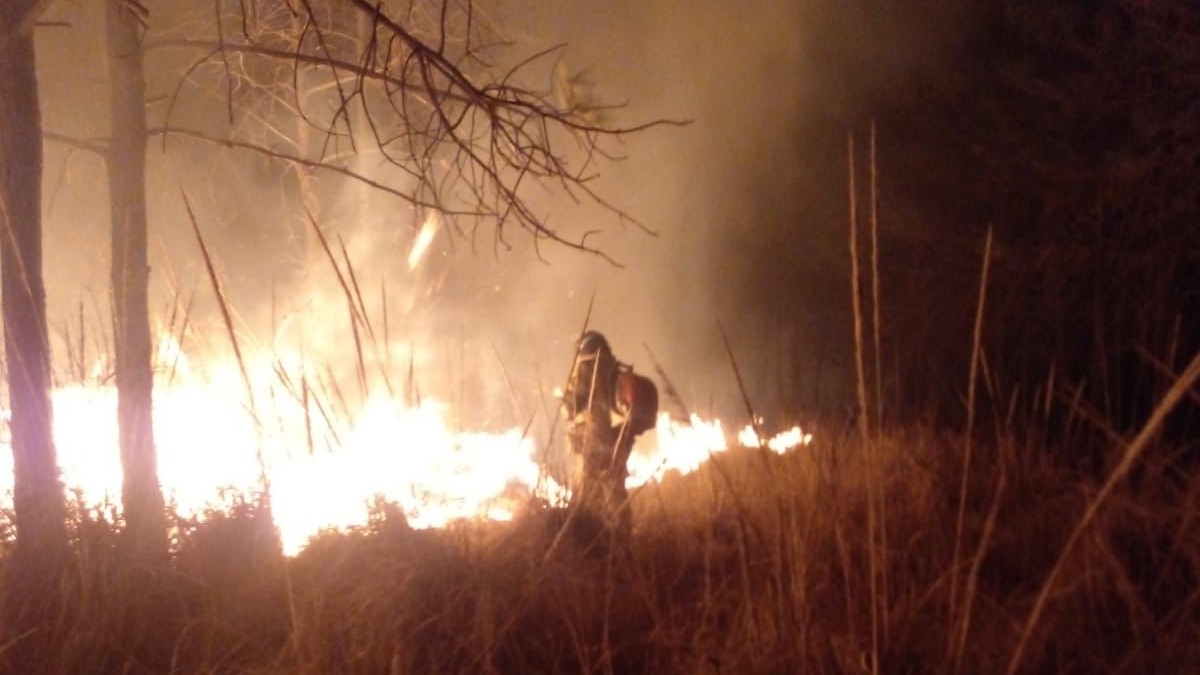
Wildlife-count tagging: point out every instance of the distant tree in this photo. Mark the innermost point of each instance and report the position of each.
(141, 494)
(38, 497)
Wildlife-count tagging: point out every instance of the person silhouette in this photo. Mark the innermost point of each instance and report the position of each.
(607, 407)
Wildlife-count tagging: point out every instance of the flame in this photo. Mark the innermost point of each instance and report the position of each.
(208, 441)
(424, 238)
(679, 446)
(684, 446)
(779, 443)
(407, 455)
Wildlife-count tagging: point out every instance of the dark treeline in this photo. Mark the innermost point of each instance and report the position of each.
(1070, 128)
(1073, 128)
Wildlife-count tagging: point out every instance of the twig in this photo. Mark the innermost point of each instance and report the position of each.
(966, 465)
(227, 318)
(587, 317)
(881, 495)
(669, 390)
(864, 409)
(737, 373)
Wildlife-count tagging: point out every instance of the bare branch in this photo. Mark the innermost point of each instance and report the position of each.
(97, 146)
(415, 85)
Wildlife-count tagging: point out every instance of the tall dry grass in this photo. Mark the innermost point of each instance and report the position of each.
(895, 549)
(756, 563)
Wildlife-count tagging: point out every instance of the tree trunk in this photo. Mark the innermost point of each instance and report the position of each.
(38, 498)
(141, 494)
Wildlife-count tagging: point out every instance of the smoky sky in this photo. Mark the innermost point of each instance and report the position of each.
(745, 204)
(749, 200)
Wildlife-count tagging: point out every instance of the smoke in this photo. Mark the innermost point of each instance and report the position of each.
(745, 205)
(750, 200)
(739, 199)
(731, 70)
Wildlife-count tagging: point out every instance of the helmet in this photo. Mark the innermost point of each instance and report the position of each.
(592, 342)
(592, 376)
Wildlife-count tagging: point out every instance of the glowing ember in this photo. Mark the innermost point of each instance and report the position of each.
(209, 442)
(424, 238)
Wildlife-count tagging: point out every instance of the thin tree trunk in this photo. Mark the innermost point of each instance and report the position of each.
(141, 494)
(38, 498)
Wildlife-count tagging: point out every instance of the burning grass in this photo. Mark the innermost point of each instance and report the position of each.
(870, 553)
(755, 563)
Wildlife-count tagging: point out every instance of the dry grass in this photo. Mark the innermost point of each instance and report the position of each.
(754, 564)
(887, 550)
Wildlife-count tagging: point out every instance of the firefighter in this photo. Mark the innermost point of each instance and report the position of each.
(607, 406)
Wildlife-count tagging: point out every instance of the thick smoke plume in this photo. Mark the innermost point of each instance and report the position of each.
(744, 208)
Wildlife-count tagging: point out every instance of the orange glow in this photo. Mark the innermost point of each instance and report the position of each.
(209, 442)
(779, 443)
(684, 446)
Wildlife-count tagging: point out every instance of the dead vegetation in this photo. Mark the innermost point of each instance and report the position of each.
(754, 564)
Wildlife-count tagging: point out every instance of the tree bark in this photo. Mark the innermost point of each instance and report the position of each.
(38, 498)
(141, 493)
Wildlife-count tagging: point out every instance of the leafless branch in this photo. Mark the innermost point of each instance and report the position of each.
(97, 146)
(416, 85)
(410, 197)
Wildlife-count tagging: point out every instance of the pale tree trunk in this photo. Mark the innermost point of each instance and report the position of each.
(38, 498)
(141, 494)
